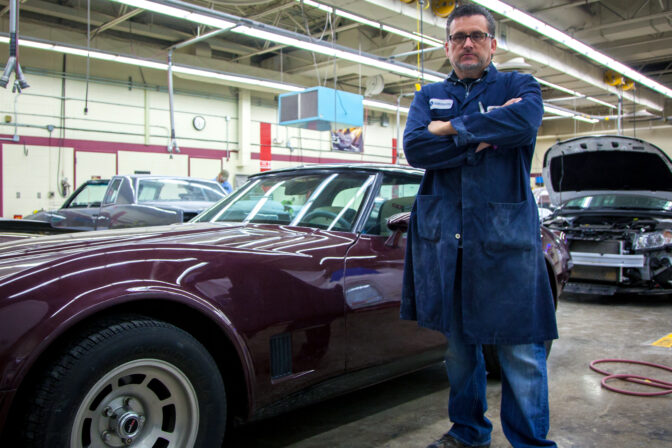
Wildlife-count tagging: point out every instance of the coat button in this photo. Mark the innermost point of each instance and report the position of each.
(458, 236)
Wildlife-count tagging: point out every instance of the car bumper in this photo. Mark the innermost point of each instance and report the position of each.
(609, 290)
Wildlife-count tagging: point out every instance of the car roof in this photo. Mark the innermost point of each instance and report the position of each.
(346, 166)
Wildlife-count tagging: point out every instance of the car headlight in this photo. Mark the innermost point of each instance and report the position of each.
(652, 240)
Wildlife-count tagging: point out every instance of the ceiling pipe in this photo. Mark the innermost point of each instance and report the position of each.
(172, 145)
(13, 62)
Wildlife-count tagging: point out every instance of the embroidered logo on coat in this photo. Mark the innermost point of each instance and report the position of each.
(437, 103)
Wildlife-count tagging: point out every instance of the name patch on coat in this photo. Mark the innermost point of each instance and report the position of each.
(438, 103)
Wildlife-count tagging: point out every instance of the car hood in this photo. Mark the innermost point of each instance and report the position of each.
(593, 165)
(40, 252)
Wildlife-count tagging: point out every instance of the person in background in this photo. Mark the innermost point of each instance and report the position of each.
(474, 263)
(223, 179)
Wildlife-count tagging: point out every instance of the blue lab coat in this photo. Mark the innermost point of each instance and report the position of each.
(480, 202)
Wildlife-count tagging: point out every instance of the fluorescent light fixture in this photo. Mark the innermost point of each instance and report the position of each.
(234, 78)
(179, 13)
(585, 118)
(557, 111)
(604, 103)
(325, 8)
(154, 65)
(384, 106)
(355, 18)
(542, 28)
(561, 112)
(557, 87)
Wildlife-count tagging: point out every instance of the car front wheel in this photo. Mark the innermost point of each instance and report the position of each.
(132, 382)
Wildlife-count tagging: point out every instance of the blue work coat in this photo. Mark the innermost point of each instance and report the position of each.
(481, 202)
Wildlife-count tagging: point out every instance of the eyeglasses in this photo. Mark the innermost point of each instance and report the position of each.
(476, 37)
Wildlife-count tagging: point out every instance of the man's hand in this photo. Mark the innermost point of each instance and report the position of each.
(511, 101)
(438, 127)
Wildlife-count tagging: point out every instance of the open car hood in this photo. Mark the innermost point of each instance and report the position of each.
(594, 165)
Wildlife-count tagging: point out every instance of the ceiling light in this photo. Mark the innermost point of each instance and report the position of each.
(557, 111)
(384, 106)
(604, 103)
(179, 13)
(586, 119)
(557, 87)
(58, 48)
(542, 28)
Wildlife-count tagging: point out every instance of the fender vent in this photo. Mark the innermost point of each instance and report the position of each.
(281, 355)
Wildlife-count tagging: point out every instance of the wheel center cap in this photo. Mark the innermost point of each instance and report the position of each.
(129, 425)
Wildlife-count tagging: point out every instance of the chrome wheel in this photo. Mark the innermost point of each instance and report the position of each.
(142, 403)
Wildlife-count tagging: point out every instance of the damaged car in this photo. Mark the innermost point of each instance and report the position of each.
(614, 199)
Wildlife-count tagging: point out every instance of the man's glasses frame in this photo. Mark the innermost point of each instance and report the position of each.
(476, 37)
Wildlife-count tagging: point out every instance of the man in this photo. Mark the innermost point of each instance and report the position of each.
(223, 179)
(474, 265)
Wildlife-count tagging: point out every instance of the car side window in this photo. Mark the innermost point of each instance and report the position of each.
(396, 195)
(112, 192)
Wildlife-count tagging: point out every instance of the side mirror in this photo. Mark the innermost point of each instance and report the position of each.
(398, 224)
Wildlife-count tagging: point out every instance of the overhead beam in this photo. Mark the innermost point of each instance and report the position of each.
(115, 22)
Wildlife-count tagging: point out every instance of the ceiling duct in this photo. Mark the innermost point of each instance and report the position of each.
(13, 61)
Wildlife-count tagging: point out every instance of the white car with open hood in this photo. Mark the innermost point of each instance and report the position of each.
(614, 204)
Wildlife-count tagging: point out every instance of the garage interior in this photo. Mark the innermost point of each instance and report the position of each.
(188, 88)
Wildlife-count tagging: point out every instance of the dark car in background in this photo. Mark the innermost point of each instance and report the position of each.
(614, 204)
(285, 292)
(133, 201)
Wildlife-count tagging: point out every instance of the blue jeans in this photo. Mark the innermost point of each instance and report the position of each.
(524, 409)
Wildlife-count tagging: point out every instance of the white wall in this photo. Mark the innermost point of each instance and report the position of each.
(31, 177)
(94, 165)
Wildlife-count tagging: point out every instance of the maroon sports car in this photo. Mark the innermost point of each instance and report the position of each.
(283, 293)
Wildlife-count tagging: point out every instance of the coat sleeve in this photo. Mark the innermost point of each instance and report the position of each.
(513, 125)
(424, 149)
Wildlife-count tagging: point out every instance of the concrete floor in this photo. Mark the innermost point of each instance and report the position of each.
(411, 411)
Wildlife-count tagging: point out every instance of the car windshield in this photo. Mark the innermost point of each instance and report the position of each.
(90, 195)
(616, 201)
(169, 190)
(326, 200)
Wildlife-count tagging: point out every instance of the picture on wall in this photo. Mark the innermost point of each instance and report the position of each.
(348, 139)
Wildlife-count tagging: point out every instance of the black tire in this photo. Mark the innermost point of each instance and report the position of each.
(138, 379)
(492, 360)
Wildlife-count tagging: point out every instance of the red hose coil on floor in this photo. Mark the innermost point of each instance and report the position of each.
(651, 382)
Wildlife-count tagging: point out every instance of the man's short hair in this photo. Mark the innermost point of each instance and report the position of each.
(471, 9)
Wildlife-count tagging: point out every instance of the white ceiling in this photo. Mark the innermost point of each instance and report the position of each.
(637, 33)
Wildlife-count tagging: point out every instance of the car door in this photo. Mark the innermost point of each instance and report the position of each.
(81, 210)
(373, 281)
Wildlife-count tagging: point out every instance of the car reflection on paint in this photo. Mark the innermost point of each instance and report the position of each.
(283, 293)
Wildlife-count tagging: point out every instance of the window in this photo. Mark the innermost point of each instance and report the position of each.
(326, 200)
(396, 195)
(113, 192)
(172, 190)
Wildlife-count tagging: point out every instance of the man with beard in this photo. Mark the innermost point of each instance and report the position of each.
(474, 264)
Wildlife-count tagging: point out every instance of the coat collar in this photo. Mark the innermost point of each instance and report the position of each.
(489, 75)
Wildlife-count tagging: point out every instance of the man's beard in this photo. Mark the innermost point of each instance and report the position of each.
(473, 67)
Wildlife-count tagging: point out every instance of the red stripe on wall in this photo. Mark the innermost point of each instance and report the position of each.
(265, 146)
